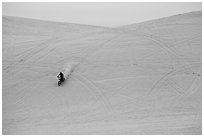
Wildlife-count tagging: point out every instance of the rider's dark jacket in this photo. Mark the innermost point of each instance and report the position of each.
(60, 76)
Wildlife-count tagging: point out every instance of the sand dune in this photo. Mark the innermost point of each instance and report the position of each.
(142, 78)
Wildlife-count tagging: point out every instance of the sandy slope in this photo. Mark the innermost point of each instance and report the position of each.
(138, 79)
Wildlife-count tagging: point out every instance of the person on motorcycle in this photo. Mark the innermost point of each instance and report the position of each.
(60, 76)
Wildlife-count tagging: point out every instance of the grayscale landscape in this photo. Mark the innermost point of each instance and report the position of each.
(143, 78)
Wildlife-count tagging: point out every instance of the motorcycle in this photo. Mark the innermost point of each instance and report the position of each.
(60, 81)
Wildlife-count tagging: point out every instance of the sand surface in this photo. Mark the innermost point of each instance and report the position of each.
(143, 78)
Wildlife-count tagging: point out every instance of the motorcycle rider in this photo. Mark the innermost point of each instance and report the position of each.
(60, 76)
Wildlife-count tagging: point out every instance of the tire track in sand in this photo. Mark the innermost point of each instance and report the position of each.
(172, 51)
(26, 57)
(180, 90)
(95, 90)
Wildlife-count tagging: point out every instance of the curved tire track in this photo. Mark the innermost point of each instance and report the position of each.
(173, 84)
(97, 92)
(171, 51)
